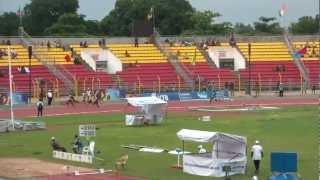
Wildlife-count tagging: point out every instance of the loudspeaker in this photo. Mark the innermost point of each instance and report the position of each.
(30, 51)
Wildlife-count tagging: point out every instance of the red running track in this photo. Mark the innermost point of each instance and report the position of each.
(174, 106)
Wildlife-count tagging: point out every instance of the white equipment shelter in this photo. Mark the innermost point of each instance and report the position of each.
(151, 110)
(227, 150)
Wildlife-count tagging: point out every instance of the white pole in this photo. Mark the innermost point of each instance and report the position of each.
(10, 83)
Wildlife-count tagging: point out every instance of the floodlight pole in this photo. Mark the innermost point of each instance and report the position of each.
(10, 85)
(249, 55)
(153, 21)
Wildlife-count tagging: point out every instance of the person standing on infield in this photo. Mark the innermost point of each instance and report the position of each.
(39, 107)
(257, 155)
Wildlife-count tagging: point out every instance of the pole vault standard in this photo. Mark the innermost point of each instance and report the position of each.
(10, 85)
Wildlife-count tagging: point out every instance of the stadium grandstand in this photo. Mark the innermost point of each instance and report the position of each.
(148, 67)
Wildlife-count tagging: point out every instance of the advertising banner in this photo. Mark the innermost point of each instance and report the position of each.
(204, 166)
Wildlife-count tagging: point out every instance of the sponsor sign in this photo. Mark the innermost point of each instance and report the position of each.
(87, 130)
(72, 157)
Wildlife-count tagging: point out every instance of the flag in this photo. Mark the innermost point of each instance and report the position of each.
(300, 53)
(150, 14)
(283, 10)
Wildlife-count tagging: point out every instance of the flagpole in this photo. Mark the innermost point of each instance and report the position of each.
(20, 17)
(10, 84)
(153, 21)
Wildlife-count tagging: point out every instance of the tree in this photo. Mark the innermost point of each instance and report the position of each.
(9, 23)
(68, 24)
(203, 23)
(93, 27)
(240, 28)
(168, 18)
(40, 14)
(267, 25)
(305, 25)
(173, 16)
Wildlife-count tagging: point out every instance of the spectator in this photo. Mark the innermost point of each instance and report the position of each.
(39, 108)
(126, 54)
(218, 43)
(67, 58)
(85, 45)
(100, 43)
(1, 53)
(8, 43)
(257, 89)
(81, 44)
(23, 70)
(48, 45)
(281, 89)
(49, 97)
(26, 69)
(103, 42)
(88, 95)
(232, 41)
(226, 85)
(71, 99)
(19, 69)
(136, 42)
(13, 54)
(231, 88)
(313, 88)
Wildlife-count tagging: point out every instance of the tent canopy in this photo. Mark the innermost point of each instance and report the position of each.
(142, 101)
(206, 136)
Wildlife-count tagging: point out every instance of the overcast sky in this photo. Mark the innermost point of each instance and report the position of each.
(246, 11)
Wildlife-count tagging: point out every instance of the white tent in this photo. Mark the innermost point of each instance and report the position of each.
(227, 150)
(151, 110)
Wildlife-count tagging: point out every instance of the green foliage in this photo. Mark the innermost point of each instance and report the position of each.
(93, 27)
(68, 24)
(170, 19)
(40, 14)
(240, 28)
(203, 23)
(305, 25)
(9, 23)
(267, 25)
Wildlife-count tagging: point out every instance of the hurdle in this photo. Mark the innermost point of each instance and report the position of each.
(93, 172)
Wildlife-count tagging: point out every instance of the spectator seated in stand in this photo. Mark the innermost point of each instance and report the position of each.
(1, 53)
(48, 45)
(126, 54)
(14, 54)
(26, 69)
(85, 45)
(232, 41)
(67, 58)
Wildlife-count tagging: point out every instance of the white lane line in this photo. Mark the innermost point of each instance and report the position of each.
(75, 113)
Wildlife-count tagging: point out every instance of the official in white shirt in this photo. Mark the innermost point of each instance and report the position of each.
(257, 155)
(50, 97)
